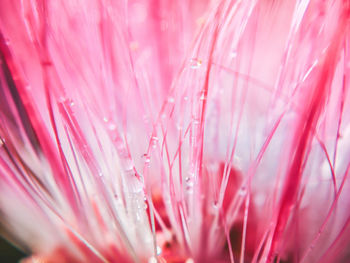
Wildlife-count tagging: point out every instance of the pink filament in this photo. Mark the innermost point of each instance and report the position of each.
(175, 131)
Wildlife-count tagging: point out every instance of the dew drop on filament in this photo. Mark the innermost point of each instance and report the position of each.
(154, 141)
(159, 250)
(189, 184)
(242, 191)
(195, 63)
(233, 54)
(171, 100)
(147, 159)
(112, 126)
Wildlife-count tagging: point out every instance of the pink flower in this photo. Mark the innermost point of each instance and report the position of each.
(176, 131)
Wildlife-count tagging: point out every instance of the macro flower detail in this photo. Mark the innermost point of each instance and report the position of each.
(187, 131)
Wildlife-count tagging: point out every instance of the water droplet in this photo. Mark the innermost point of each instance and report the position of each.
(203, 96)
(147, 159)
(233, 54)
(112, 126)
(66, 101)
(196, 121)
(171, 100)
(159, 250)
(242, 191)
(178, 126)
(186, 98)
(189, 184)
(154, 141)
(189, 189)
(62, 99)
(138, 217)
(195, 63)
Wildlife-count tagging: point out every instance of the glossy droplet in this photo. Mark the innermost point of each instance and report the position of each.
(189, 184)
(62, 99)
(178, 126)
(242, 191)
(159, 250)
(154, 141)
(147, 159)
(233, 54)
(112, 126)
(195, 63)
(145, 206)
(189, 189)
(196, 121)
